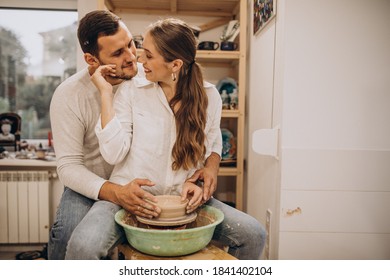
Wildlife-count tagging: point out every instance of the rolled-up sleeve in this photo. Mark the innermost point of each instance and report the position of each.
(115, 138)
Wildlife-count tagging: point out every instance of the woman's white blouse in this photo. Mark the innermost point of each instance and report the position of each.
(140, 138)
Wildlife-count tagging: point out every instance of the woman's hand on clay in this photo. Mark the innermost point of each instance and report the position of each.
(194, 194)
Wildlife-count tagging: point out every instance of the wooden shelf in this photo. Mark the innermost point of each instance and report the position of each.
(218, 55)
(5, 163)
(230, 113)
(212, 56)
(218, 58)
(228, 171)
(215, 8)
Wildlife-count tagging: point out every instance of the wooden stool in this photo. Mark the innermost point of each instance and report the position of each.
(210, 252)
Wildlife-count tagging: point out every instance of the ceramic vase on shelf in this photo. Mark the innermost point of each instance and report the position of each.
(234, 100)
(225, 100)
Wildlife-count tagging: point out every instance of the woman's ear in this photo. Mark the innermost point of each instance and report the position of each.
(176, 65)
(91, 60)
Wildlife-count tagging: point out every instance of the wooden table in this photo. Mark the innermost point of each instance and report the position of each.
(210, 252)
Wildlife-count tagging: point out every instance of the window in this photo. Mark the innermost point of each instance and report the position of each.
(37, 52)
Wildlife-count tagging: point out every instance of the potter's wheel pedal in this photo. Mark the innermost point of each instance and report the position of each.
(169, 221)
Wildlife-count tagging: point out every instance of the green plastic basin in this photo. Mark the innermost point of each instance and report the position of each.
(171, 242)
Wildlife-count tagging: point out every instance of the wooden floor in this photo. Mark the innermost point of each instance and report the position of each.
(7, 255)
(8, 252)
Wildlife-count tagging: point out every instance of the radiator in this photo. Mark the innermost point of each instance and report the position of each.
(24, 206)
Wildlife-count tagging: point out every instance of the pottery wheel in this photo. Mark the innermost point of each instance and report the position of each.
(169, 222)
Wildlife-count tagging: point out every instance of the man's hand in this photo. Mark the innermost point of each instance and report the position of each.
(132, 197)
(208, 178)
(208, 175)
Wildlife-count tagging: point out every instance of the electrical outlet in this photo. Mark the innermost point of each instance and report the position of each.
(268, 229)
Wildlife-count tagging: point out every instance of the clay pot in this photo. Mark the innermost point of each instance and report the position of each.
(41, 153)
(171, 206)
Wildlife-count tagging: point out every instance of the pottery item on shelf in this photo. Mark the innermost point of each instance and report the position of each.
(41, 153)
(168, 242)
(228, 46)
(233, 100)
(208, 45)
(229, 146)
(228, 84)
(231, 31)
(225, 100)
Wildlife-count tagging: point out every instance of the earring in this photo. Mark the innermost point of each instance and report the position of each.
(173, 76)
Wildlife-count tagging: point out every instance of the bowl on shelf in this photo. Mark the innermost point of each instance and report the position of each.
(229, 145)
(228, 84)
(41, 153)
(171, 242)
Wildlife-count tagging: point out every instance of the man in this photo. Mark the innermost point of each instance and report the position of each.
(85, 226)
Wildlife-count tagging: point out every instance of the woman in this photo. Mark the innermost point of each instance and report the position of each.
(165, 127)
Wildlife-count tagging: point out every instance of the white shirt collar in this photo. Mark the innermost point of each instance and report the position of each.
(142, 82)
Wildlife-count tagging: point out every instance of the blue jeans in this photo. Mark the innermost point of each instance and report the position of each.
(86, 229)
(244, 235)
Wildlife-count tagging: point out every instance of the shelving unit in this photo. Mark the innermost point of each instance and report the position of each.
(224, 10)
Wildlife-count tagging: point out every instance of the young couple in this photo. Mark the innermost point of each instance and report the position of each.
(121, 137)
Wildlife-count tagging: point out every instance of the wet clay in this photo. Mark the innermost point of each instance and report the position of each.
(201, 220)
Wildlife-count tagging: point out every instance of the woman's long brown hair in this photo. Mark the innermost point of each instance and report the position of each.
(174, 39)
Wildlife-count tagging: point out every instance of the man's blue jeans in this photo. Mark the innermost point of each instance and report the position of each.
(85, 229)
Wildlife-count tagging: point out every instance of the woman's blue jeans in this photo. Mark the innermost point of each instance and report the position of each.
(85, 229)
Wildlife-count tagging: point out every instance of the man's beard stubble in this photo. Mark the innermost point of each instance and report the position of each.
(122, 76)
(125, 77)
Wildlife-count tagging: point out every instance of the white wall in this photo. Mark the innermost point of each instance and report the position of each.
(331, 93)
(337, 61)
(263, 112)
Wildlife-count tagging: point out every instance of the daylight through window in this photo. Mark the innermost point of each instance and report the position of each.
(37, 52)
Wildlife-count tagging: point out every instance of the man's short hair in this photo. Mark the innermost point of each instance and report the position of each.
(93, 25)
